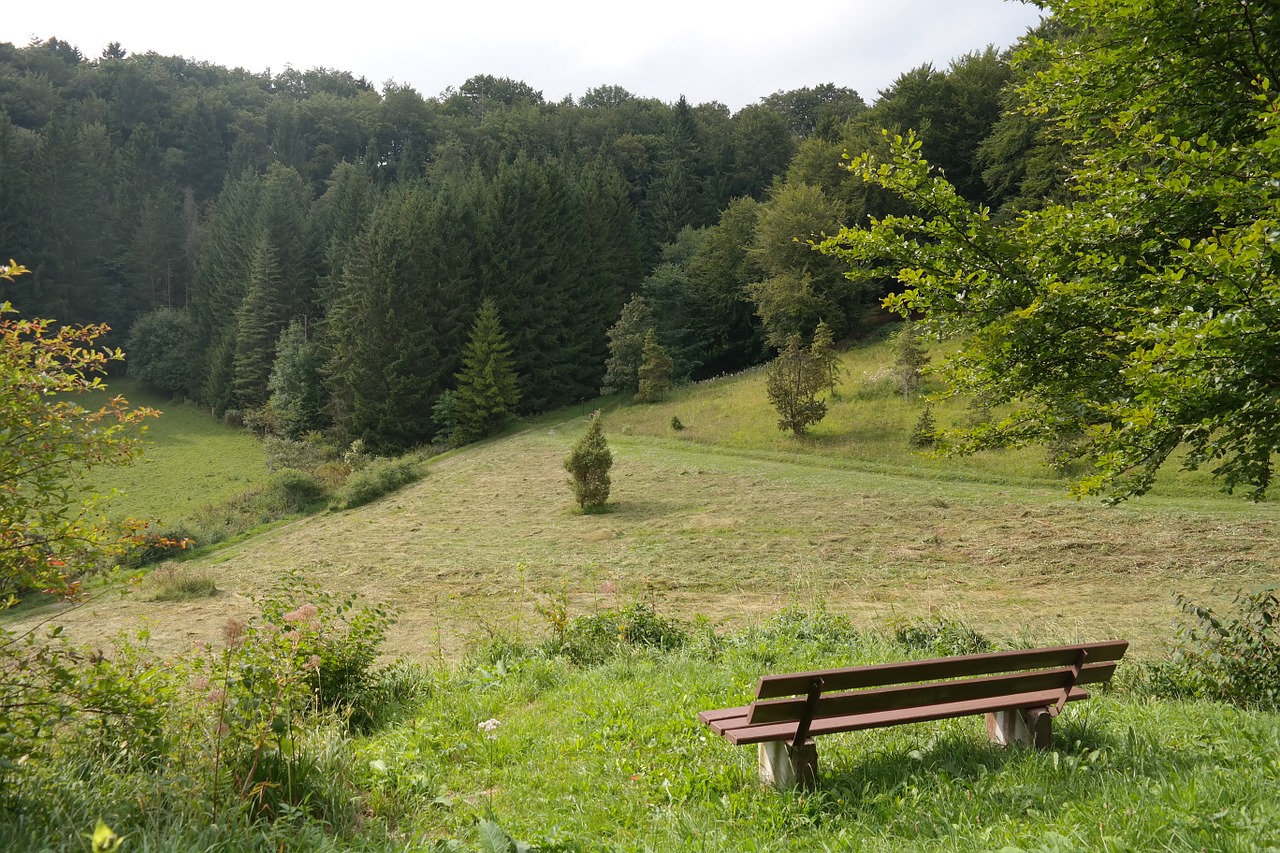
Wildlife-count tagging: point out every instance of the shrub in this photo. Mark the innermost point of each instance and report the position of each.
(377, 479)
(306, 455)
(925, 432)
(793, 381)
(593, 639)
(940, 637)
(1232, 657)
(588, 464)
(163, 543)
(294, 490)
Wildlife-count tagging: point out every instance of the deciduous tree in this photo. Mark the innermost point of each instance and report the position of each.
(1141, 311)
(793, 382)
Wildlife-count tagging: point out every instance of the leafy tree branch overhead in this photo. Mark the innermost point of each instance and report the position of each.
(1140, 311)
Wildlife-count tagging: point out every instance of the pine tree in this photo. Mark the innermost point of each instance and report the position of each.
(626, 347)
(823, 351)
(257, 326)
(911, 361)
(488, 389)
(588, 464)
(793, 383)
(296, 393)
(655, 373)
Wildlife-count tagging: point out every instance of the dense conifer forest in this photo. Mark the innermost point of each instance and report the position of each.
(309, 245)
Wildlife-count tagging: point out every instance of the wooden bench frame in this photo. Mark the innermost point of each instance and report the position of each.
(1019, 691)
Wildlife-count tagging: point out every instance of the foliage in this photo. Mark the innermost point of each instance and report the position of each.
(654, 376)
(488, 388)
(592, 639)
(305, 454)
(47, 442)
(794, 381)
(1230, 657)
(627, 339)
(588, 464)
(940, 637)
(925, 432)
(823, 350)
(161, 351)
(296, 490)
(376, 479)
(912, 358)
(311, 650)
(1137, 311)
(297, 397)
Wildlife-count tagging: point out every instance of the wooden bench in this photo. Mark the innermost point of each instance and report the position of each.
(1019, 691)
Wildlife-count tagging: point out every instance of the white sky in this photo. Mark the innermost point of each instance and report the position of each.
(732, 52)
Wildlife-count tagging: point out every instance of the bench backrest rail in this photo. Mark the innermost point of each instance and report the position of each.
(879, 675)
(1058, 681)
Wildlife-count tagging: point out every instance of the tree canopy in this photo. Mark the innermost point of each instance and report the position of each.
(1140, 310)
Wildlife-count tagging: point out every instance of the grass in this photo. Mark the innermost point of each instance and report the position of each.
(190, 461)
(736, 533)
(515, 744)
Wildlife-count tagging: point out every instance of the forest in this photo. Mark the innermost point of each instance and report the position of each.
(310, 250)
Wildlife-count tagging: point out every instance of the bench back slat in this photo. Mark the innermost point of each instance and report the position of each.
(737, 731)
(936, 693)
(879, 675)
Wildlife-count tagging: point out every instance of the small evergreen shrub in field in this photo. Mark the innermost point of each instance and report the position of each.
(941, 637)
(1230, 657)
(375, 480)
(588, 465)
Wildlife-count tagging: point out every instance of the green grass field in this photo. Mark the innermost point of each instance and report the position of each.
(190, 460)
(725, 524)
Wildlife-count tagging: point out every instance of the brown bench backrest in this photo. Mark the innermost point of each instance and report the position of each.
(893, 686)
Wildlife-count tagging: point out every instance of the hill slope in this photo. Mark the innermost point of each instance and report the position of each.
(733, 531)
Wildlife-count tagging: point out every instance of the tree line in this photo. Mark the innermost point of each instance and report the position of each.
(309, 249)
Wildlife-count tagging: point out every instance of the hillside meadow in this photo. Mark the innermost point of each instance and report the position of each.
(744, 551)
(727, 518)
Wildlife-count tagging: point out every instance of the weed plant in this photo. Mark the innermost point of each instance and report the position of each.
(174, 581)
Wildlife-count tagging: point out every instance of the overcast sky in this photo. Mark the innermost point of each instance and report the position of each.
(732, 52)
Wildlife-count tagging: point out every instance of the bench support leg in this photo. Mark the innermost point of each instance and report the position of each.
(1026, 727)
(784, 766)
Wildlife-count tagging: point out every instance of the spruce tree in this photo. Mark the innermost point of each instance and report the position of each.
(257, 327)
(911, 360)
(488, 389)
(588, 464)
(297, 396)
(626, 347)
(655, 373)
(823, 351)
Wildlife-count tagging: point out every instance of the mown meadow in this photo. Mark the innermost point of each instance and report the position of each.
(540, 683)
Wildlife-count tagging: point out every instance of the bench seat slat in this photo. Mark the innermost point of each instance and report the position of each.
(749, 734)
(928, 694)
(710, 717)
(879, 675)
